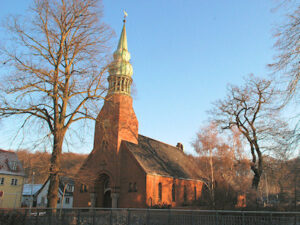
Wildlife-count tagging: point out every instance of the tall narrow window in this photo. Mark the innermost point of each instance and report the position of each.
(134, 187)
(83, 188)
(160, 191)
(195, 193)
(173, 193)
(184, 194)
(130, 187)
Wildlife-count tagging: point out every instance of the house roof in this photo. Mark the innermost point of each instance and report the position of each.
(7, 159)
(158, 158)
(62, 182)
(31, 189)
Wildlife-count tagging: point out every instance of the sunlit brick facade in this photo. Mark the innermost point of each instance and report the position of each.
(128, 170)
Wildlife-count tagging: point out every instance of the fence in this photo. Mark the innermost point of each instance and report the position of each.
(100, 216)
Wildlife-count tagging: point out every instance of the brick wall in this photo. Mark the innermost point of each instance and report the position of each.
(115, 122)
(134, 195)
(167, 183)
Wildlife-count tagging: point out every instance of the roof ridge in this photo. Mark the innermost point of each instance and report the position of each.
(159, 158)
(8, 151)
(160, 141)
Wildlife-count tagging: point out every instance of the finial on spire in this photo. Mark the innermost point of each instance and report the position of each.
(125, 15)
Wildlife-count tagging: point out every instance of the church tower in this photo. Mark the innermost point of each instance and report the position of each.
(115, 123)
(117, 120)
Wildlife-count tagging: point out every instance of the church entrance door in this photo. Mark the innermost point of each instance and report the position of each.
(107, 199)
(103, 192)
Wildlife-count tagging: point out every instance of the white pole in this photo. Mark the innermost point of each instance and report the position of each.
(32, 182)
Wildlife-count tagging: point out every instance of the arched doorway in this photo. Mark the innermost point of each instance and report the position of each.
(103, 192)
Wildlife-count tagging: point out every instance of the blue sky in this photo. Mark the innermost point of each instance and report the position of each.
(184, 53)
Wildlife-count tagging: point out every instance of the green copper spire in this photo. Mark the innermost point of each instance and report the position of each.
(123, 40)
(120, 70)
(121, 55)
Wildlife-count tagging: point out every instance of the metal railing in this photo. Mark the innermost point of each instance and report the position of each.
(100, 216)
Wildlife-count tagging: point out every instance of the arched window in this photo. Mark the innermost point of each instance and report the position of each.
(173, 193)
(134, 187)
(130, 189)
(184, 194)
(195, 193)
(160, 191)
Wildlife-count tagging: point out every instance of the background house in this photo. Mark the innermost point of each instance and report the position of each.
(11, 180)
(29, 194)
(40, 191)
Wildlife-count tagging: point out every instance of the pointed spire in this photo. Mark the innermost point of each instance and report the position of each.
(122, 54)
(123, 39)
(120, 70)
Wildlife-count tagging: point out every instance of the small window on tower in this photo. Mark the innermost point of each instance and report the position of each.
(122, 85)
(104, 145)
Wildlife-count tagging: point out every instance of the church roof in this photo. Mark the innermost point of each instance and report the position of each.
(162, 159)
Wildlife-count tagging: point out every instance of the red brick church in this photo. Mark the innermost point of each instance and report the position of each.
(126, 169)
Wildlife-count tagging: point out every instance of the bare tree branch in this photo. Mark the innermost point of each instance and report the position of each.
(57, 69)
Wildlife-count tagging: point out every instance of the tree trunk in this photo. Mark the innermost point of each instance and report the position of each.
(256, 177)
(54, 170)
(257, 172)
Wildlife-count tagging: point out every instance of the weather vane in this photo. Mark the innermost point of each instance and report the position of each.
(125, 15)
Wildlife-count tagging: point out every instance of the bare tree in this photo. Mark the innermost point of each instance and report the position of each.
(57, 66)
(223, 165)
(249, 109)
(286, 62)
(206, 143)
